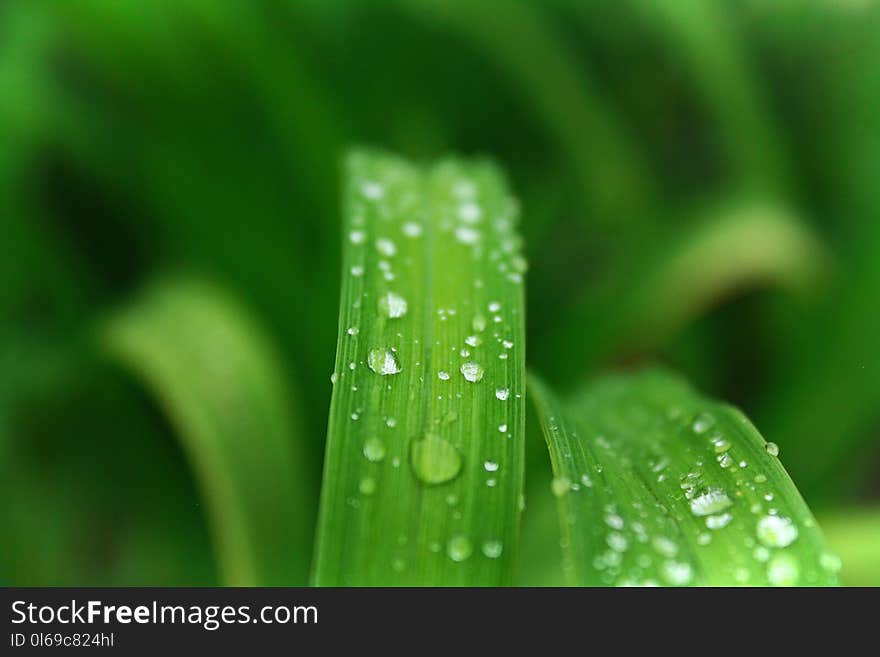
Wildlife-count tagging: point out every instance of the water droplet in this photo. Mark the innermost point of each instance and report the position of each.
(783, 570)
(490, 466)
(830, 563)
(776, 531)
(719, 521)
(392, 305)
(677, 573)
(357, 270)
(617, 542)
(502, 393)
(372, 190)
(459, 548)
(560, 486)
(434, 459)
(357, 236)
(472, 371)
(467, 235)
(353, 330)
(772, 449)
(383, 362)
(721, 445)
(443, 376)
(507, 344)
(472, 341)
(614, 521)
(665, 546)
(713, 501)
(492, 549)
(367, 486)
(386, 247)
(703, 422)
(760, 478)
(374, 450)
(412, 229)
(334, 378)
(469, 212)
(502, 428)
(725, 460)
(391, 423)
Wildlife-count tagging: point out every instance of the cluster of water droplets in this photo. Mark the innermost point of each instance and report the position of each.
(432, 459)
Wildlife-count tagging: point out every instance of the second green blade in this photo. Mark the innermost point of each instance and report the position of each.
(424, 463)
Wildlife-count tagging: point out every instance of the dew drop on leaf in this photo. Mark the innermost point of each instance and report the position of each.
(502, 393)
(492, 549)
(772, 449)
(386, 247)
(783, 570)
(718, 522)
(367, 486)
(383, 362)
(374, 450)
(713, 501)
(702, 423)
(560, 486)
(434, 460)
(459, 548)
(472, 371)
(392, 305)
(776, 531)
(677, 573)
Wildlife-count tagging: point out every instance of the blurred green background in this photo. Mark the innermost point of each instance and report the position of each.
(700, 182)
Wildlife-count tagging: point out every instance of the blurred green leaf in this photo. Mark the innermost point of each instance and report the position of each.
(424, 466)
(854, 534)
(658, 485)
(221, 384)
(737, 246)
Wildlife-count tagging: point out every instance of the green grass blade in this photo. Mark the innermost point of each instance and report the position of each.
(424, 463)
(219, 382)
(659, 485)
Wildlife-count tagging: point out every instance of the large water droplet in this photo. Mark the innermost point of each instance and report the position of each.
(434, 460)
(392, 305)
(772, 449)
(776, 531)
(713, 501)
(386, 247)
(677, 573)
(783, 570)
(665, 546)
(502, 393)
(459, 548)
(718, 522)
(830, 563)
(560, 486)
(703, 422)
(492, 549)
(367, 486)
(472, 371)
(374, 450)
(383, 362)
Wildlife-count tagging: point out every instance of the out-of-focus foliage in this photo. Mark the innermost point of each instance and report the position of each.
(698, 183)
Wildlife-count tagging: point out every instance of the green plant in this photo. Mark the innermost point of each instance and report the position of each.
(698, 192)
